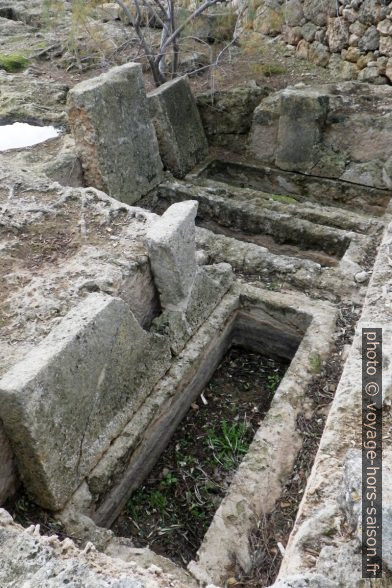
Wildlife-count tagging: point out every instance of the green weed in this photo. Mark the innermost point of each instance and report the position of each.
(315, 363)
(228, 443)
(273, 381)
(13, 62)
(283, 198)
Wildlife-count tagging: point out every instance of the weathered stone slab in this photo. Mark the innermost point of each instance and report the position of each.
(72, 395)
(302, 119)
(182, 141)
(114, 134)
(172, 250)
(210, 284)
(341, 131)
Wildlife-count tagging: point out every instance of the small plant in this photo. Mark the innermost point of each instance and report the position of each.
(13, 62)
(229, 443)
(315, 363)
(273, 381)
(158, 501)
(272, 69)
(170, 480)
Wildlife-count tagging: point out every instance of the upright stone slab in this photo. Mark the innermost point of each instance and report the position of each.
(172, 250)
(114, 134)
(73, 394)
(182, 141)
(340, 131)
(301, 124)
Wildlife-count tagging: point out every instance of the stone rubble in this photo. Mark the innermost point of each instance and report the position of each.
(353, 37)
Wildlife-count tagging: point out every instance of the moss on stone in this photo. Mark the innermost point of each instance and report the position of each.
(283, 198)
(13, 62)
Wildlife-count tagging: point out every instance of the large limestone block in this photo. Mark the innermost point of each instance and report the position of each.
(114, 134)
(172, 250)
(341, 131)
(73, 394)
(302, 119)
(179, 129)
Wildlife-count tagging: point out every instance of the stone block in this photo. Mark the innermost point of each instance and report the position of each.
(228, 112)
(326, 129)
(210, 285)
(337, 34)
(172, 250)
(65, 402)
(114, 134)
(317, 14)
(301, 122)
(7, 468)
(182, 141)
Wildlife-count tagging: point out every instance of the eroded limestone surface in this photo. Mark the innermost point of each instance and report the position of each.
(29, 558)
(114, 133)
(182, 142)
(335, 131)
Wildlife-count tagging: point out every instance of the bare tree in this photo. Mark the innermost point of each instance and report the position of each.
(164, 13)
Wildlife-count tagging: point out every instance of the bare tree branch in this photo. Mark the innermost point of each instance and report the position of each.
(146, 48)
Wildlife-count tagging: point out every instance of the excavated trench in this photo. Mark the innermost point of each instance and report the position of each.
(175, 505)
(278, 213)
(300, 187)
(172, 510)
(241, 392)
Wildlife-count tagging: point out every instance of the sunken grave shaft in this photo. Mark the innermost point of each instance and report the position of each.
(114, 134)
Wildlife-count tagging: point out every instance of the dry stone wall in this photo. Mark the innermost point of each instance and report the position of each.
(352, 36)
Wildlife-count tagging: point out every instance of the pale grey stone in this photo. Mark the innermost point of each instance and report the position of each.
(308, 580)
(350, 138)
(293, 13)
(318, 53)
(371, 75)
(66, 401)
(361, 277)
(303, 116)
(228, 112)
(370, 12)
(171, 244)
(351, 501)
(31, 560)
(114, 134)
(337, 34)
(370, 40)
(309, 31)
(181, 137)
(319, 14)
(211, 283)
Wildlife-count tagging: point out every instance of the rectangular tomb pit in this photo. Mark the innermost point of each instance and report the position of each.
(225, 435)
(303, 187)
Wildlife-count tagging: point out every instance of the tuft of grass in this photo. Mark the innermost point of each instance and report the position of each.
(13, 62)
(272, 69)
(229, 443)
(315, 363)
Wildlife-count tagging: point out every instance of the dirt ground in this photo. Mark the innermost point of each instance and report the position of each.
(172, 511)
(92, 48)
